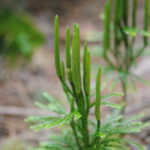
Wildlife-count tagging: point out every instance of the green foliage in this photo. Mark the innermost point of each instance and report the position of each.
(59, 141)
(18, 36)
(49, 122)
(121, 25)
(84, 133)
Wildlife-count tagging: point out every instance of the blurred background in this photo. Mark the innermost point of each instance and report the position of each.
(27, 67)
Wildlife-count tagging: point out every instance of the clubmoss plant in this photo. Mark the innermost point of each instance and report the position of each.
(124, 38)
(87, 131)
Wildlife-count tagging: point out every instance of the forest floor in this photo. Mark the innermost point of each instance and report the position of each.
(21, 87)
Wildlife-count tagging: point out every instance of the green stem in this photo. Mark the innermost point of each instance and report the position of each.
(76, 136)
(84, 120)
(124, 89)
(96, 139)
(80, 102)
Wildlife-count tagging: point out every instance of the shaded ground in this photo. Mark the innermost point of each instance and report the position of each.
(23, 86)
